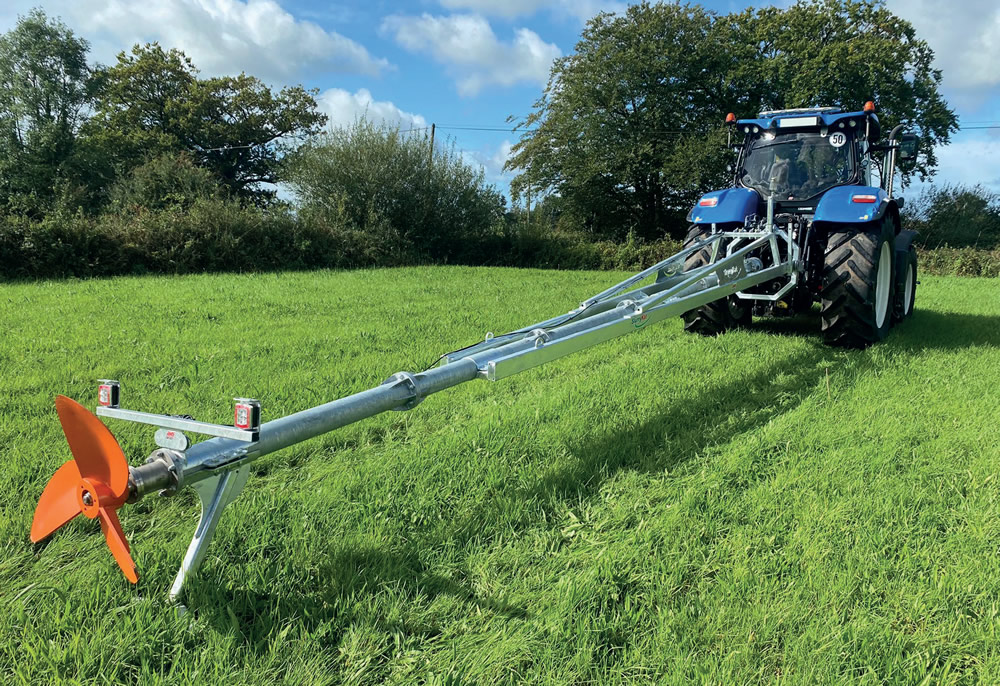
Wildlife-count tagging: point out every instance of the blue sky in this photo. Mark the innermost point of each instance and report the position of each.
(474, 62)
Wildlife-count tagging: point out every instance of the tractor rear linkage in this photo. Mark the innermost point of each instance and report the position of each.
(217, 469)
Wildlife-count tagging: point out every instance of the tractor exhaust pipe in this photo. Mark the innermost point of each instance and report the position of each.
(891, 162)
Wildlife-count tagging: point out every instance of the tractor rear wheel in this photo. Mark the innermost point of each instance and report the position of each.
(906, 284)
(715, 317)
(858, 283)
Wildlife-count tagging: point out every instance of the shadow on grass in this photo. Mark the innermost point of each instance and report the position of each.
(334, 594)
(925, 330)
(930, 330)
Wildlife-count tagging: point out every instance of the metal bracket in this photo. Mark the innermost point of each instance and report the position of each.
(165, 421)
(411, 382)
(246, 419)
(540, 336)
(215, 493)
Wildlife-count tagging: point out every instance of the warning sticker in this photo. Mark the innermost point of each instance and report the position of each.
(838, 138)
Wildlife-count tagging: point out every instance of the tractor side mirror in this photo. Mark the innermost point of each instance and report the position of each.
(906, 153)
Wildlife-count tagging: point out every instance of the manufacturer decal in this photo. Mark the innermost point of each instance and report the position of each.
(640, 321)
(838, 139)
(733, 273)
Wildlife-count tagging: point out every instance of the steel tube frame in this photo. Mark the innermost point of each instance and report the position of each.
(217, 467)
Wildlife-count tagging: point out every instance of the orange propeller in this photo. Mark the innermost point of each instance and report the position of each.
(94, 483)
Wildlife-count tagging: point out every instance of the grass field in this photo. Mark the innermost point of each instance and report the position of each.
(739, 510)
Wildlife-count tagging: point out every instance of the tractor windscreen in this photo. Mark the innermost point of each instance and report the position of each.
(802, 164)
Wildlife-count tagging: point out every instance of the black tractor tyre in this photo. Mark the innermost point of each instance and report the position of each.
(906, 284)
(858, 282)
(715, 317)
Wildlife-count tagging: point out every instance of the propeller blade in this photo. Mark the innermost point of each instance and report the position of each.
(95, 450)
(94, 482)
(116, 542)
(58, 503)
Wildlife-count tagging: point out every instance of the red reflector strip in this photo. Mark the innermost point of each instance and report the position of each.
(865, 198)
(246, 414)
(241, 417)
(108, 393)
(708, 202)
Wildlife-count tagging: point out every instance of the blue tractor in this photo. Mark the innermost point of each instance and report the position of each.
(822, 182)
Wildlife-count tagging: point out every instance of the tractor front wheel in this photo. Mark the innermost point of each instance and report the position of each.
(718, 316)
(858, 283)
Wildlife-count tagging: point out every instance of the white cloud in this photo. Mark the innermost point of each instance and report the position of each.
(965, 38)
(970, 161)
(492, 161)
(580, 9)
(471, 51)
(220, 36)
(344, 108)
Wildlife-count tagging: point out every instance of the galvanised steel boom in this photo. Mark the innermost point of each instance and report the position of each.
(98, 480)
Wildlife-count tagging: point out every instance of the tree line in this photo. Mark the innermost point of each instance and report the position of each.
(146, 165)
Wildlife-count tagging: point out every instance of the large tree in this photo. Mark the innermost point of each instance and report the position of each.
(628, 130)
(633, 95)
(153, 103)
(244, 129)
(44, 94)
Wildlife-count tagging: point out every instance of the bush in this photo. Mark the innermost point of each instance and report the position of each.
(211, 235)
(165, 182)
(956, 216)
(960, 262)
(377, 179)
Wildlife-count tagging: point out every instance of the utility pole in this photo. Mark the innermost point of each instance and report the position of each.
(433, 126)
(529, 203)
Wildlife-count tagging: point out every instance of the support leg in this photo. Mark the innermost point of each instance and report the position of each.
(215, 493)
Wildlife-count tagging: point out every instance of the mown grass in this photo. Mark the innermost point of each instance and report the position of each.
(745, 509)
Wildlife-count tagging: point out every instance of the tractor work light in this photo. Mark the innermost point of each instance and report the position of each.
(798, 121)
(868, 199)
(708, 202)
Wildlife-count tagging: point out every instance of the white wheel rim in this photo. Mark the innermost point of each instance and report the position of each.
(908, 293)
(882, 285)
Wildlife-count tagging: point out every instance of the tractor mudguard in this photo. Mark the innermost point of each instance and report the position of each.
(728, 206)
(904, 240)
(838, 205)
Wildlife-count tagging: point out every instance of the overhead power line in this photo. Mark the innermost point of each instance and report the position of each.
(501, 129)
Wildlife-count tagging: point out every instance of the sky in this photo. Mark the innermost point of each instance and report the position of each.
(467, 64)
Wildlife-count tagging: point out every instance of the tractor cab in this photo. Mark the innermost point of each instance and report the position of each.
(801, 165)
(801, 154)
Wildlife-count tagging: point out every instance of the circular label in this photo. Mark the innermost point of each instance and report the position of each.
(838, 138)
